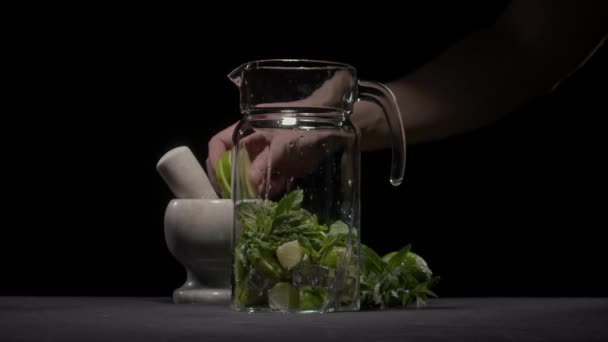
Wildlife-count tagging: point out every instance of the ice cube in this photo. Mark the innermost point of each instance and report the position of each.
(309, 274)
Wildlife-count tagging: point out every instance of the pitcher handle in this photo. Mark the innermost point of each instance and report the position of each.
(381, 95)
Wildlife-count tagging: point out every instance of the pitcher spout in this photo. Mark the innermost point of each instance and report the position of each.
(236, 75)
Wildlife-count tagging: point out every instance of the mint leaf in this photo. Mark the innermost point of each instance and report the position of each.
(256, 218)
(398, 279)
(399, 258)
(371, 262)
(265, 265)
(394, 280)
(289, 202)
(338, 228)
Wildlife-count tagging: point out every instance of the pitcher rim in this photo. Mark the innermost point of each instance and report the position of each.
(295, 63)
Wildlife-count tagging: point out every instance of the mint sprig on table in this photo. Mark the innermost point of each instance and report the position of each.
(278, 237)
(396, 280)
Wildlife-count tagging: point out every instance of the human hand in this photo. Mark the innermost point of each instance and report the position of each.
(278, 155)
(275, 157)
(218, 144)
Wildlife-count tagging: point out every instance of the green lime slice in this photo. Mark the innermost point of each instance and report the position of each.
(413, 263)
(283, 296)
(388, 256)
(333, 257)
(247, 296)
(223, 171)
(312, 298)
(419, 268)
(247, 188)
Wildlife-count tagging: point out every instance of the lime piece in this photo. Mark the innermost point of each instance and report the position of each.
(244, 164)
(247, 296)
(290, 254)
(333, 257)
(223, 171)
(312, 298)
(283, 296)
(414, 264)
(388, 256)
(419, 268)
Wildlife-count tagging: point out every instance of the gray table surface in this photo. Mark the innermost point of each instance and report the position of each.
(444, 319)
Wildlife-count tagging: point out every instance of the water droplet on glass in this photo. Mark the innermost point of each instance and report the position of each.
(268, 174)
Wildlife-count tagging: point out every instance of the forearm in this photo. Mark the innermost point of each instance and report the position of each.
(473, 84)
(488, 74)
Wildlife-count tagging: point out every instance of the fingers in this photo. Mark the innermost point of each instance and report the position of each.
(212, 178)
(267, 175)
(219, 143)
(259, 170)
(276, 158)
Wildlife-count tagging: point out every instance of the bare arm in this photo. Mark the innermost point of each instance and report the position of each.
(532, 46)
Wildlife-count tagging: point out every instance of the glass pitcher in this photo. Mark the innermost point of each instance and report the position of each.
(295, 184)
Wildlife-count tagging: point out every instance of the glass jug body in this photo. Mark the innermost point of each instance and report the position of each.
(295, 186)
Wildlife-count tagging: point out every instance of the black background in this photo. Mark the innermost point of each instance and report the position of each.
(506, 210)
